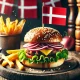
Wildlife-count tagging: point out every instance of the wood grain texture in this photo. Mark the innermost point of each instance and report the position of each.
(73, 74)
(77, 31)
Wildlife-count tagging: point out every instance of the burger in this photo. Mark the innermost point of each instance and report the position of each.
(42, 48)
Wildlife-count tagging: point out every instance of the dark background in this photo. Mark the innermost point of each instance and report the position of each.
(31, 23)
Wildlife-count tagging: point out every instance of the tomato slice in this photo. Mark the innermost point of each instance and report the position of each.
(28, 55)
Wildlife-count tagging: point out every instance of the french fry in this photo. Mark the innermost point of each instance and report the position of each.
(11, 57)
(7, 22)
(11, 64)
(12, 51)
(2, 21)
(5, 30)
(19, 65)
(15, 30)
(20, 25)
(2, 24)
(1, 30)
(4, 63)
(11, 27)
(16, 22)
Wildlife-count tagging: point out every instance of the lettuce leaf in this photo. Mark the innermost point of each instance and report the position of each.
(42, 58)
(62, 54)
(22, 55)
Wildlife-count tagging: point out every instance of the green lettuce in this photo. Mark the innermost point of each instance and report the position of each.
(42, 58)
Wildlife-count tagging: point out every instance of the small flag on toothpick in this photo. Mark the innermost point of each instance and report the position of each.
(54, 15)
(27, 8)
(6, 6)
(54, 3)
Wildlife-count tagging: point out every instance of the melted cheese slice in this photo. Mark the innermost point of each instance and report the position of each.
(46, 51)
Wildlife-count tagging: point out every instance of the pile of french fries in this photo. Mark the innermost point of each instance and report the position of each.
(11, 27)
(12, 60)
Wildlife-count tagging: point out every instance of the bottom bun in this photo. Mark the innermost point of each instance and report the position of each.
(44, 65)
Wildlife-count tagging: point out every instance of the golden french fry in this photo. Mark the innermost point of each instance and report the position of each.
(16, 22)
(11, 28)
(21, 23)
(15, 30)
(19, 29)
(20, 26)
(4, 63)
(12, 51)
(11, 64)
(1, 29)
(2, 24)
(2, 21)
(7, 22)
(5, 30)
(11, 57)
(19, 65)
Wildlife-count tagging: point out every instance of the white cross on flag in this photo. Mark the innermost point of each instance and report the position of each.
(27, 8)
(54, 15)
(6, 6)
(53, 3)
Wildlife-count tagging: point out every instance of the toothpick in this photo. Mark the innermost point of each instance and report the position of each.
(43, 25)
(42, 16)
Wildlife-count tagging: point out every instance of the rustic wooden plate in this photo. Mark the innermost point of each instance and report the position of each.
(68, 65)
(68, 71)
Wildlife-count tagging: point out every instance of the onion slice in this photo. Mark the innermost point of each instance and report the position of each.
(33, 46)
(37, 49)
(29, 56)
(55, 46)
(29, 44)
(37, 46)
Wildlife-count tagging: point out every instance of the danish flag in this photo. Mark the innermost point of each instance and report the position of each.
(6, 6)
(54, 15)
(53, 3)
(27, 8)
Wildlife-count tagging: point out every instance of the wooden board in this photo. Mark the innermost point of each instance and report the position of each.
(70, 70)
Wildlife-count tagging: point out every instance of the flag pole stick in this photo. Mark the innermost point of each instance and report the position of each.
(42, 16)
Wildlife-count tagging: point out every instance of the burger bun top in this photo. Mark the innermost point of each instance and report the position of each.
(43, 35)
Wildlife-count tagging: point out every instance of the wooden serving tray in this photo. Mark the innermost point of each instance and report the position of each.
(70, 70)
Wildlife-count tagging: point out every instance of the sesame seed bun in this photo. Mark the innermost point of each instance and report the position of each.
(43, 34)
(45, 65)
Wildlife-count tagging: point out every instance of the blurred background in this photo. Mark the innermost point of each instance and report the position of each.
(31, 23)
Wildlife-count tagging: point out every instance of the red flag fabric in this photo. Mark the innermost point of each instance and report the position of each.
(6, 6)
(27, 8)
(54, 3)
(54, 15)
